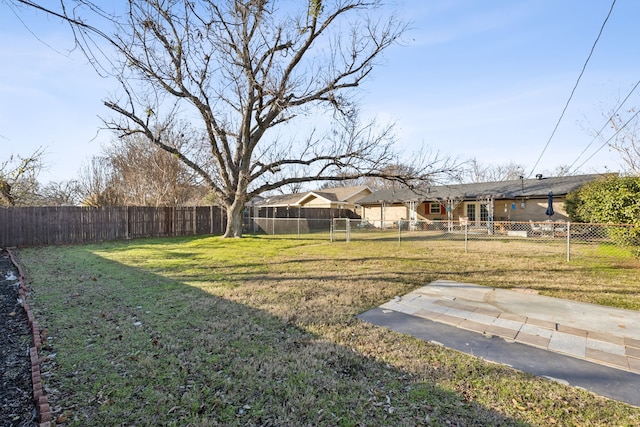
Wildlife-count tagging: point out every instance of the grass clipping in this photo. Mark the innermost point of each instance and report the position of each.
(260, 331)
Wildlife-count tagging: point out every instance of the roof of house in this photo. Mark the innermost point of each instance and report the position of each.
(277, 200)
(335, 195)
(527, 188)
(343, 193)
(338, 194)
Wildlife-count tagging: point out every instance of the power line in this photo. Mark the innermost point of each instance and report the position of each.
(573, 90)
(608, 140)
(603, 127)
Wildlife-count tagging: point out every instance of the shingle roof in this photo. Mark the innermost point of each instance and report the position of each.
(529, 188)
(338, 194)
(279, 200)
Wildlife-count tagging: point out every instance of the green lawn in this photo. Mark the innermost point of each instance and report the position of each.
(260, 331)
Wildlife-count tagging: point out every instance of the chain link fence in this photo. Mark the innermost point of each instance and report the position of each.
(567, 239)
(288, 226)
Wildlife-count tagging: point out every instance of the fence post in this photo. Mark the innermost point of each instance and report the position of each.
(466, 237)
(194, 221)
(568, 241)
(223, 220)
(82, 225)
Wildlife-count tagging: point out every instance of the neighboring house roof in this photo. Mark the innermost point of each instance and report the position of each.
(345, 193)
(277, 200)
(336, 195)
(339, 195)
(307, 197)
(527, 188)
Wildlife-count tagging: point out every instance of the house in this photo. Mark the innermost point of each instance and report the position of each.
(335, 202)
(514, 200)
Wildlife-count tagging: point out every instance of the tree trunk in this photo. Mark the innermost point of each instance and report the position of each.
(234, 218)
(5, 193)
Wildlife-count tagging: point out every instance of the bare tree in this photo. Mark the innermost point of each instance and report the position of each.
(247, 73)
(146, 175)
(627, 138)
(60, 193)
(130, 171)
(380, 183)
(560, 170)
(96, 184)
(478, 172)
(19, 178)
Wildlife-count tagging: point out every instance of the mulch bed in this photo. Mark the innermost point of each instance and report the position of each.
(17, 408)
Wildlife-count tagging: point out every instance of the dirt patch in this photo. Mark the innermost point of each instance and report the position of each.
(17, 408)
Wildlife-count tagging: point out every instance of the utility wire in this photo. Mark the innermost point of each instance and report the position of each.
(603, 127)
(609, 140)
(574, 89)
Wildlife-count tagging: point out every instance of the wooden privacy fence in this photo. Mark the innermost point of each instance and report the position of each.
(32, 226)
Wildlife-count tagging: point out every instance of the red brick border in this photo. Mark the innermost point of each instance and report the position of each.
(40, 399)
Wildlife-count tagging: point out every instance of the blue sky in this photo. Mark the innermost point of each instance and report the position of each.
(474, 79)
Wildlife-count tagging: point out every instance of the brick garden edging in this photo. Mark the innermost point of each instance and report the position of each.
(40, 399)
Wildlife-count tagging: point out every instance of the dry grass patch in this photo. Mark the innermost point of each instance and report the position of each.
(260, 331)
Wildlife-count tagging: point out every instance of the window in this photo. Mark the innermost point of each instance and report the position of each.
(477, 212)
(471, 212)
(434, 208)
(484, 213)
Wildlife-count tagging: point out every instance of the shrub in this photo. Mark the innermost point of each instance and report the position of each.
(613, 200)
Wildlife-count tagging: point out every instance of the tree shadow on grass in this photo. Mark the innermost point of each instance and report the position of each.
(130, 347)
(347, 268)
